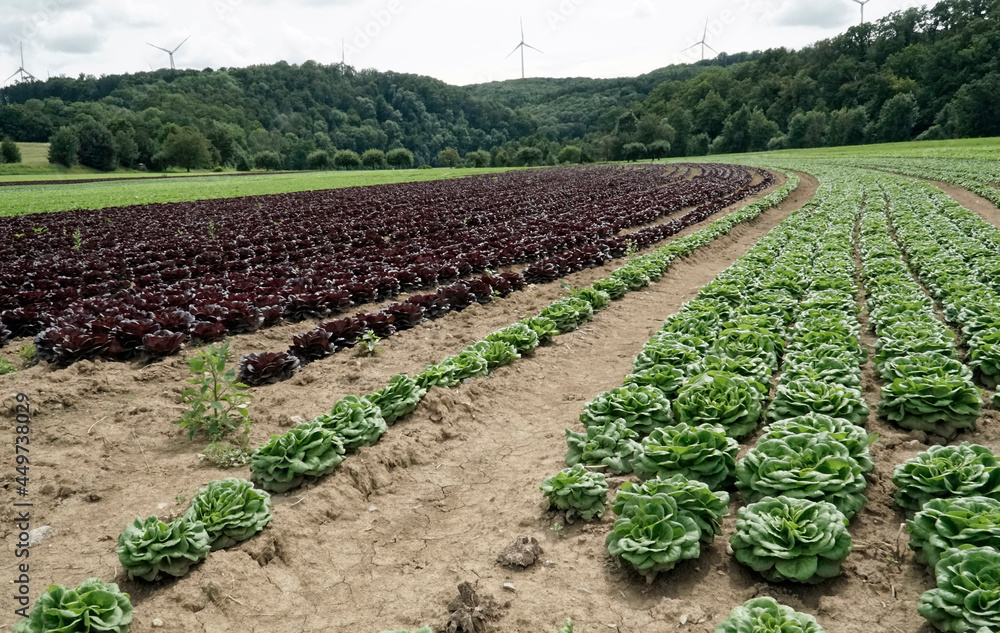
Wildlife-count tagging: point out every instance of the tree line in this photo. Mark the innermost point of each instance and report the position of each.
(929, 73)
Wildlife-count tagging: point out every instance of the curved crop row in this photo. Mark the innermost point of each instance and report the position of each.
(925, 385)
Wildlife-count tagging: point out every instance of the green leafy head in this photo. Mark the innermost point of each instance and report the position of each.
(721, 398)
(151, 548)
(963, 470)
(578, 492)
(356, 420)
(232, 510)
(520, 336)
(642, 408)
(612, 446)
(652, 535)
(954, 522)
(806, 466)
(967, 596)
(397, 399)
(693, 497)
(704, 453)
(784, 538)
(284, 461)
(93, 606)
(855, 438)
(765, 615)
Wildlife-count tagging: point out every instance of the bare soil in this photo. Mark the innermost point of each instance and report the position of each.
(385, 541)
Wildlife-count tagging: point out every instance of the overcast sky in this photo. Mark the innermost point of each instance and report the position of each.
(458, 41)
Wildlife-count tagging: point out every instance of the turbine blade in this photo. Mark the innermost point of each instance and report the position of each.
(533, 48)
(515, 50)
(181, 44)
(155, 46)
(705, 35)
(711, 49)
(522, 29)
(12, 76)
(696, 44)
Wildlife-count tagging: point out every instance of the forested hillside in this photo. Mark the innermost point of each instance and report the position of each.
(930, 73)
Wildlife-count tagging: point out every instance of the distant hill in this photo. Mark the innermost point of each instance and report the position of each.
(928, 73)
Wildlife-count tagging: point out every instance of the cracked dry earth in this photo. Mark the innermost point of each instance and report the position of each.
(384, 542)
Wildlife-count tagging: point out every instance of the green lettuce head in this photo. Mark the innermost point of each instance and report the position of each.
(598, 299)
(284, 461)
(520, 336)
(398, 399)
(704, 453)
(668, 380)
(496, 353)
(855, 438)
(964, 470)
(578, 492)
(612, 446)
(615, 288)
(642, 408)
(930, 392)
(765, 615)
(755, 343)
(652, 535)
(568, 314)
(807, 466)
(692, 497)
(663, 352)
(753, 369)
(356, 420)
(967, 596)
(93, 606)
(784, 538)
(720, 398)
(151, 548)
(954, 522)
(800, 397)
(544, 327)
(633, 277)
(232, 510)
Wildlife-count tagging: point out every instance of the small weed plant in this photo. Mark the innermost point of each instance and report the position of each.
(217, 404)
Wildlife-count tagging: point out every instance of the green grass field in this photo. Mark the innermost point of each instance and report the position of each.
(21, 199)
(975, 148)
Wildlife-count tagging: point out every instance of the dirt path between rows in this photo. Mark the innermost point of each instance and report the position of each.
(971, 201)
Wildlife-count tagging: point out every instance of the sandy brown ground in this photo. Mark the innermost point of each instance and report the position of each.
(384, 541)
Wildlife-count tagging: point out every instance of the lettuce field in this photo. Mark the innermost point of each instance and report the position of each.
(753, 395)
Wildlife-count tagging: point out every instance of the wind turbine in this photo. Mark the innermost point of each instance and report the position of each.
(862, 3)
(169, 52)
(343, 54)
(24, 73)
(522, 46)
(704, 42)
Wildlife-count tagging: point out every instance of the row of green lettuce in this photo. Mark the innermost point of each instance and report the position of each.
(221, 515)
(791, 297)
(233, 510)
(956, 255)
(924, 384)
(981, 177)
(950, 493)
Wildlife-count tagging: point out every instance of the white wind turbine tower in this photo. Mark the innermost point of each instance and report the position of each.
(21, 70)
(522, 46)
(862, 3)
(704, 43)
(169, 52)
